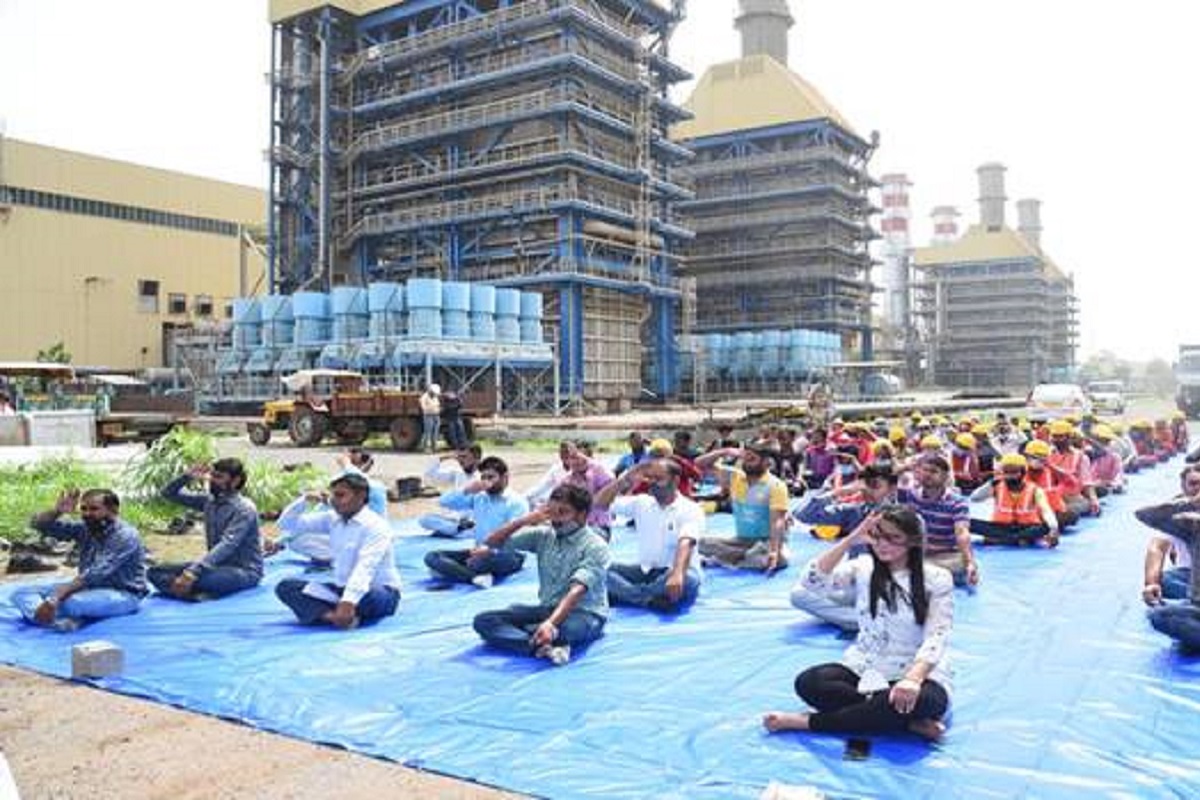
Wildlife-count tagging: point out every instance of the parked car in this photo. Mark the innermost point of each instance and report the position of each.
(1108, 397)
(1057, 400)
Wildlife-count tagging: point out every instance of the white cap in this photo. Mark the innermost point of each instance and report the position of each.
(435, 389)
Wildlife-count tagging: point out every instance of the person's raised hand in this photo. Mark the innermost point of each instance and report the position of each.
(67, 501)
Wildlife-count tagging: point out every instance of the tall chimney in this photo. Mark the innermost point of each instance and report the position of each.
(945, 224)
(896, 249)
(1029, 221)
(991, 196)
(764, 27)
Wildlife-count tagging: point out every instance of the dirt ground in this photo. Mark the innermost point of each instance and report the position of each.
(67, 741)
(70, 741)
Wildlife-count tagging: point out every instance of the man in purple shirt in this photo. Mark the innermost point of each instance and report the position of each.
(947, 519)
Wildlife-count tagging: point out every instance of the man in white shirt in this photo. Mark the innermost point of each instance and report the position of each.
(365, 584)
(453, 473)
(667, 574)
(553, 477)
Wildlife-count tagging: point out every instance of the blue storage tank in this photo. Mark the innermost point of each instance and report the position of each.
(508, 315)
(277, 321)
(742, 363)
(351, 319)
(424, 299)
(311, 313)
(773, 352)
(716, 355)
(531, 317)
(247, 320)
(483, 312)
(456, 310)
(385, 302)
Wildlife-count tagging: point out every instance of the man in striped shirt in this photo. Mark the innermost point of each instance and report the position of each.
(947, 519)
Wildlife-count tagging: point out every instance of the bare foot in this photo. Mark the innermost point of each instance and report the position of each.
(776, 721)
(929, 729)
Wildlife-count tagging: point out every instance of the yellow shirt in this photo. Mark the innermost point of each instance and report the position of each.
(754, 502)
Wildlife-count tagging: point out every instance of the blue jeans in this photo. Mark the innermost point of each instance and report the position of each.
(629, 586)
(1180, 621)
(456, 565)
(443, 524)
(215, 582)
(87, 604)
(1177, 583)
(456, 432)
(431, 425)
(511, 628)
(379, 602)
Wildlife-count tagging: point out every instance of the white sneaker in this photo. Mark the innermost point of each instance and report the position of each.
(556, 655)
(484, 581)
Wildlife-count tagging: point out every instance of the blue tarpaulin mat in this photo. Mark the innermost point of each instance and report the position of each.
(1062, 689)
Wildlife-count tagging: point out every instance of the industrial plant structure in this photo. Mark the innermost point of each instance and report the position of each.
(781, 212)
(999, 312)
(110, 258)
(521, 143)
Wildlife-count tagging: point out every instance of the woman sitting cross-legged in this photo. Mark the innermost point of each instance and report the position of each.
(895, 677)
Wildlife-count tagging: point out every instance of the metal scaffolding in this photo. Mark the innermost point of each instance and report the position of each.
(781, 216)
(521, 142)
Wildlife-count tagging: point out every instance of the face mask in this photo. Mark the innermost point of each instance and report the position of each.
(565, 528)
(662, 493)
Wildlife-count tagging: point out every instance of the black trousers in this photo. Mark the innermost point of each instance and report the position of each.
(832, 690)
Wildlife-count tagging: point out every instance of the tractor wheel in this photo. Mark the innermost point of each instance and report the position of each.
(259, 434)
(307, 427)
(352, 432)
(406, 433)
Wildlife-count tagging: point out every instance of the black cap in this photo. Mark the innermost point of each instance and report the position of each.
(354, 480)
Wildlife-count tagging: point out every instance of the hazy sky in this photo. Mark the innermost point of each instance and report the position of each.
(1092, 106)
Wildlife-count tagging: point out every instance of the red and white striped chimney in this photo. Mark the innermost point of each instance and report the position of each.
(945, 224)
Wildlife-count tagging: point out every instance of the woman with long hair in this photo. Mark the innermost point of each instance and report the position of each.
(894, 678)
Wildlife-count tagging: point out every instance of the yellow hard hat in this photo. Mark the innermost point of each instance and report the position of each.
(1118, 428)
(1103, 432)
(940, 420)
(661, 447)
(879, 445)
(1072, 418)
(1024, 425)
(980, 429)
(965, 441)
(1143, 424)
(1014, 460)
(931, 443)
(1179, 415)
(1037, 449)
(1061, 427)
(897, 434)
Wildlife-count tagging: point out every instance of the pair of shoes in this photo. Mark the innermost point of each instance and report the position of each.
(465, 524)
(558, 655)
(29, 562)
(484, 581)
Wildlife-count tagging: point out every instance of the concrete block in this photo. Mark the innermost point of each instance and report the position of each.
(96, 659)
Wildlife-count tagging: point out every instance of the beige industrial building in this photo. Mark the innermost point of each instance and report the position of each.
(109, 257)
(997, 311)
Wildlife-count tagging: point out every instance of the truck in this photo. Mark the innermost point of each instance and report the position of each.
(1187, 380)
(340, 404)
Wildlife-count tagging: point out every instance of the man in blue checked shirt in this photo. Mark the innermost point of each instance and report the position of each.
(489, 504)
(112, 569)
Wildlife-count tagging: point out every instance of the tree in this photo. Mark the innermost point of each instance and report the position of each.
(1160, 378)
(55, 354)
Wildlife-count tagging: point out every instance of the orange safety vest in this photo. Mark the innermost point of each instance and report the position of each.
(1016, 509)
(1045, 480)
(1069, 463)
